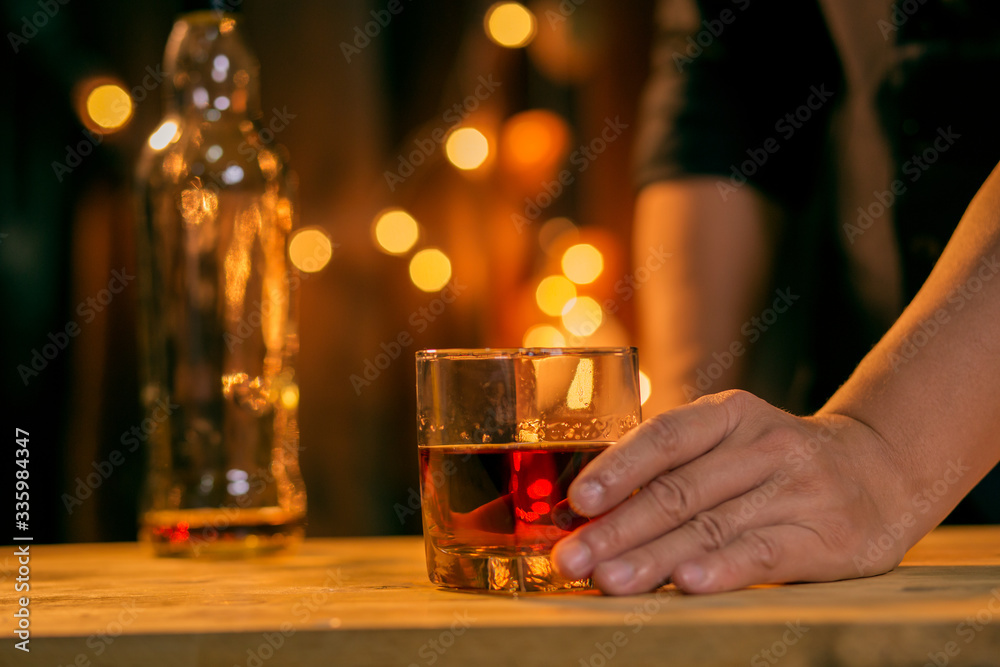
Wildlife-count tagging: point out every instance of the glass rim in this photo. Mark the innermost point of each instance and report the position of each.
(515, 352)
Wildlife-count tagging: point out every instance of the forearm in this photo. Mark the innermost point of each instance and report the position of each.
(931, 387)
(715, 280)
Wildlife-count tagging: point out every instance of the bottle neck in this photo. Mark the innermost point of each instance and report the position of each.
(211, 73)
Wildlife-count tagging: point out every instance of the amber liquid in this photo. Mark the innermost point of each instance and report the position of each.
(222, 532)
(504, 500)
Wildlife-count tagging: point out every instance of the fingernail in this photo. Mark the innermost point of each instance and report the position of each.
(616, 572)
(689, 575)
(587, 495)
(574, 558)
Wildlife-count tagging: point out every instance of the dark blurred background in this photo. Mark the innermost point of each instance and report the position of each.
(352, 110)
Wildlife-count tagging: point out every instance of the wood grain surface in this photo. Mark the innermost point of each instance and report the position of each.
(368, 602)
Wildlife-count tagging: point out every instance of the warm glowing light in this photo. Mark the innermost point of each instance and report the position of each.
(310, 249)
(544, 335)
(290, 396)
(553, 293)
(535, 139)
(396, 231)
(164, 135)
(110, 106)
(582, 316)
(430, 269)
(581, 389)
(582, 263)
(467, 148)
(645, 388)
(556, 230)
(510, 24)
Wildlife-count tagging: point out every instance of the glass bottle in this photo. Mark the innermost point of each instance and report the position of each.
(218, 317)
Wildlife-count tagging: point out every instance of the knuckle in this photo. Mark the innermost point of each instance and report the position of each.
(666, 435)
(764, 552)
(673, 497)
(711, 531)
(605, 538)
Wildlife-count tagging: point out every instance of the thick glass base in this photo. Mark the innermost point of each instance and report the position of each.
(221, 533)
(497, 573)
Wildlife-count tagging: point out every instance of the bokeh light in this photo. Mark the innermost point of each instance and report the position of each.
(553, 293)
(430, 269)
(645, 388)
(396, 231)
(310, 249)
(163, 135)
(109, 106)
(510, 24)
(582, 316)
(535, 139)
(582, 263)
(544, 335)
(290, 396)
(555, 231)
(467, 148)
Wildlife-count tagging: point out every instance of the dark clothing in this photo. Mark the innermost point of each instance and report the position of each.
(807, 101)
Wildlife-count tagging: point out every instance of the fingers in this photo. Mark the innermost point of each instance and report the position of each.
(771, 554)
(649, 564)
(662, 443)
(663, 504)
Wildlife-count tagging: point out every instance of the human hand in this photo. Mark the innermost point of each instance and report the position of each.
(736, 492)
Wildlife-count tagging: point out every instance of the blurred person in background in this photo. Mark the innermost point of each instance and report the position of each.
(805, 164)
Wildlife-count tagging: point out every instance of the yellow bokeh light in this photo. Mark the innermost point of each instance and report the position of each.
(582, 316)
(310, 250)
(430, 269)
(290, 396)
(109, 105)
(163, 135)
(553, 294)
(510, 24)
(645, 388)
(396, 231)
(544, 335)
(467, 148)
(582, 263)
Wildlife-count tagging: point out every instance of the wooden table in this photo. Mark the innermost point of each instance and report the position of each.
(368, 602)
